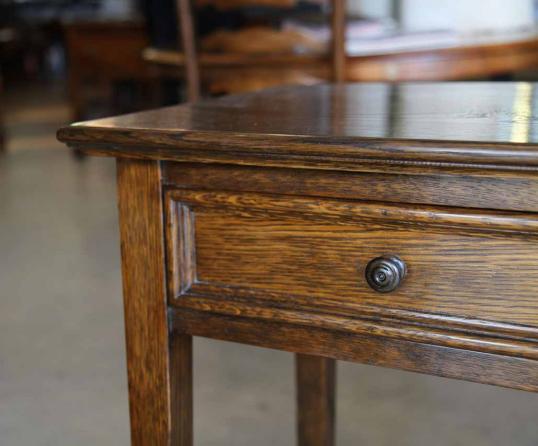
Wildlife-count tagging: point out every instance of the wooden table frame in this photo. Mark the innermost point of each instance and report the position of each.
(159, 337)
(159, 341)
(208, 192)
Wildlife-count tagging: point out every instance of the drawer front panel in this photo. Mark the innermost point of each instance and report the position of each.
(489, 190)
(299, 251)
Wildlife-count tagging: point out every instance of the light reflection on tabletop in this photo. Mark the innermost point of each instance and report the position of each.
(458, 111)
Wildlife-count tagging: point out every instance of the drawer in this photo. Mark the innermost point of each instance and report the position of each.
(465, 269)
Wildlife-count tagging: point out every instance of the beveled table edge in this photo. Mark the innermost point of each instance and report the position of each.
(341, 153)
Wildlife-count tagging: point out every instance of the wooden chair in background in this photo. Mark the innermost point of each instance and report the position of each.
(231, 72)
(281, 67)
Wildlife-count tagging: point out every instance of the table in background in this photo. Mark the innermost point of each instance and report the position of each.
(237, 72)
(101, 52)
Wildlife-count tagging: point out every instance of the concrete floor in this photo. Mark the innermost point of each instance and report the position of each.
(62, 367)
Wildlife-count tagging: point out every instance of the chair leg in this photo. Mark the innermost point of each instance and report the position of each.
(316, 381)
(181, 389)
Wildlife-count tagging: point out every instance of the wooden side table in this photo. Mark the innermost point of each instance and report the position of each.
(389, 225)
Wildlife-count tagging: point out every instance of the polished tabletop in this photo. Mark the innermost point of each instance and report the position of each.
(484, 122)
(458, 111)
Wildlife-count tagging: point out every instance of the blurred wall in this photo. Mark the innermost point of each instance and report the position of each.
(466, 15)
(462, 15)
(370, 8)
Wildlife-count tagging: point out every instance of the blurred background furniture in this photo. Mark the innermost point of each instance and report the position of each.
(2, 128)
(473, 60)
(7, 36)
(251, 51)
(124, 55)
(59, 216)
(288, 44)
(102, 53)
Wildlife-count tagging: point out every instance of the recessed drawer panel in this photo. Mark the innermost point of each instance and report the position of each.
(468, 266)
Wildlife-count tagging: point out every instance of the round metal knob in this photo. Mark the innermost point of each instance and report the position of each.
(385, 274)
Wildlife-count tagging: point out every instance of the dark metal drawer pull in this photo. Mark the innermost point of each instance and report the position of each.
(385, 274)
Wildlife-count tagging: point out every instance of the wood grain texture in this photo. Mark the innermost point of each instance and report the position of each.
(181, 390)
(467, 276)
(146, 323)
(181, 254)
(498, 190)
(270, 151)
(346, 211)
(516, 373)
(466, 268)
(315, 382)
(468, 125)
(263, 234)
(485, 338)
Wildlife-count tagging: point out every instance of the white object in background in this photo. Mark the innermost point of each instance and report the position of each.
(372, 9)
(466, 15)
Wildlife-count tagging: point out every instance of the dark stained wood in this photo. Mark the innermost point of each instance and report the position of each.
(338, 39)
(500, 339)
(463, 112)
(155, 411)
(467, 270)
(504, 371)
(180, 248)
(324, 247)
(489, 190)
(479, 125)
(100, 52)
(188, 42)
(252, 219)
(315, 380)
(341, 212)
(468, 61)
(181, 390)
(270, 151)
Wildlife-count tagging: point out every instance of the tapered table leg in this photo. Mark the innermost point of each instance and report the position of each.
(158, 364)
(181, 389)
